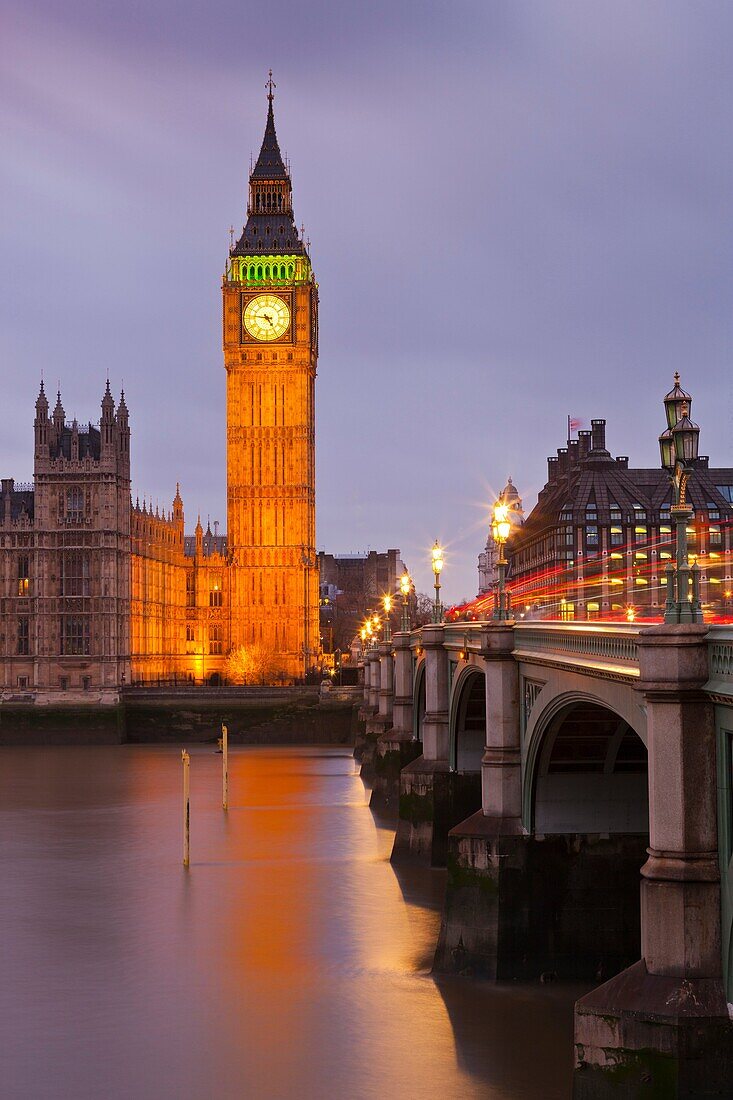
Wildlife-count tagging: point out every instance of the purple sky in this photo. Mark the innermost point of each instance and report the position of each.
(518, 210)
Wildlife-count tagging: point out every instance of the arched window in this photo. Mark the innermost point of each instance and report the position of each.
(259, 272)
(267, 271)
(291, 269)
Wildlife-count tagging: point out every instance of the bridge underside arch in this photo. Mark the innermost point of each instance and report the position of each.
(589, 835)
(591, 775)
(468, 722)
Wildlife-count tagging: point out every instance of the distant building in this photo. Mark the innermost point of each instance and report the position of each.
(351, 585)
(488, 575)
(600, 536)
(97, 591)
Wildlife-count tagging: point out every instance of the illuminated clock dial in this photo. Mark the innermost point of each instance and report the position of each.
(266, 317)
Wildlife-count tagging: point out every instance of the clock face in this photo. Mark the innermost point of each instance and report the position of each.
(266, 317)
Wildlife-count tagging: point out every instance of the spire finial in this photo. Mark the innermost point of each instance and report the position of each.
(676, 378)
(270, 85)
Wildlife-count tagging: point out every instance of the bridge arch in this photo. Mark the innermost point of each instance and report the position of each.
(585, 768)
(418, 701)
(587, 814)
(467, 730)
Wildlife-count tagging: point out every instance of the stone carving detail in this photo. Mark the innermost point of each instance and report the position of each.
(721, 660)
(532, 688)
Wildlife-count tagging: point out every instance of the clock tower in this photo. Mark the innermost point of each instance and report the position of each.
(270, 320)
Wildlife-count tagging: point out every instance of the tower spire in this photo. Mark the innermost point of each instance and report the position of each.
(270, 164)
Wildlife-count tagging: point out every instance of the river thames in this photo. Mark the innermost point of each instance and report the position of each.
(290, 960)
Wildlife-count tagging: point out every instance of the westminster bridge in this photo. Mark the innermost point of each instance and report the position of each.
(577, 780)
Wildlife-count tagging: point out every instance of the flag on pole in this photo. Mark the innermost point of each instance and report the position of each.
(573, 424)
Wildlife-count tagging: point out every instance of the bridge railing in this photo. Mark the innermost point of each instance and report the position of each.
(607, 643)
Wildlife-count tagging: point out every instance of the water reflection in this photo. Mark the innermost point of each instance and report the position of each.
(290, 961)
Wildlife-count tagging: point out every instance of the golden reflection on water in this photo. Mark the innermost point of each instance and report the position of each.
(289, 961)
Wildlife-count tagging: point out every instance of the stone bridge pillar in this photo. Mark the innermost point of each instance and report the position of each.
(484, 917)
(435, 723)
(368, 708)
(403, 689)
(375, 722)
(386, 683)
(664, 1021)
(501, 766)
(395, 747)
(425, 792)
(373, 658)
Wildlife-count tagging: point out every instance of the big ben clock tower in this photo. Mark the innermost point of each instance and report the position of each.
(270, 353)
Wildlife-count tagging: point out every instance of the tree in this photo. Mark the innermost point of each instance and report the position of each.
(253, 664)
(423, 609)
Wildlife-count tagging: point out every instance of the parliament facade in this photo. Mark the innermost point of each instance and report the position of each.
(97, 591)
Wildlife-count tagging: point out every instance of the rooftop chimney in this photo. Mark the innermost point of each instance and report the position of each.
(598, 435)
(584, 444)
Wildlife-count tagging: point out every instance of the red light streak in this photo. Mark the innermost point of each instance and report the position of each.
(547, 588)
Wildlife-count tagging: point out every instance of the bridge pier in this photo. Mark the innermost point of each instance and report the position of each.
(397, 746)
(432, 798)
(484, 915)
(663, 1023)
(380, 699)
(370, 705)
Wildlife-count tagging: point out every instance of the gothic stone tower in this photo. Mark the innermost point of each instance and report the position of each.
(270, 352)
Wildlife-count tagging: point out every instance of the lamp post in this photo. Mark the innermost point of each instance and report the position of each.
(500, 529)
(678, 447)
(437, 554)
(387, 605)
(405, 587)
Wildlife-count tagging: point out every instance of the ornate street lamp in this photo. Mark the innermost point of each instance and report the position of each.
(405, 588)
(363, 636)
(678, 447)
(376, 627)
(387, 605)
(437, 554)
(500, 531)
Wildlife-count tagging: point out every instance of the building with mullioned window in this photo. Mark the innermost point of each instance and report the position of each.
(96, 591)
(599, 539)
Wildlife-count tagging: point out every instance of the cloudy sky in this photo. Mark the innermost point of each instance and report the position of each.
(518, 209)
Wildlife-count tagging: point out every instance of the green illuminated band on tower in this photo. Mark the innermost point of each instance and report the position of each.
(272, 270)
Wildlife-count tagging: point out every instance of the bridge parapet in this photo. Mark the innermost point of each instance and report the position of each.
(608, 647)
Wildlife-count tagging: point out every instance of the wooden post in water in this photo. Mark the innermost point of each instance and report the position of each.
(186, 761)
(224, 767)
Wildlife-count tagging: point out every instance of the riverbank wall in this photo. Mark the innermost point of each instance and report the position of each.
(256, 716)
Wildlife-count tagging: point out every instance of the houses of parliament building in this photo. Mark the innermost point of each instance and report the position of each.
(97, 591)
